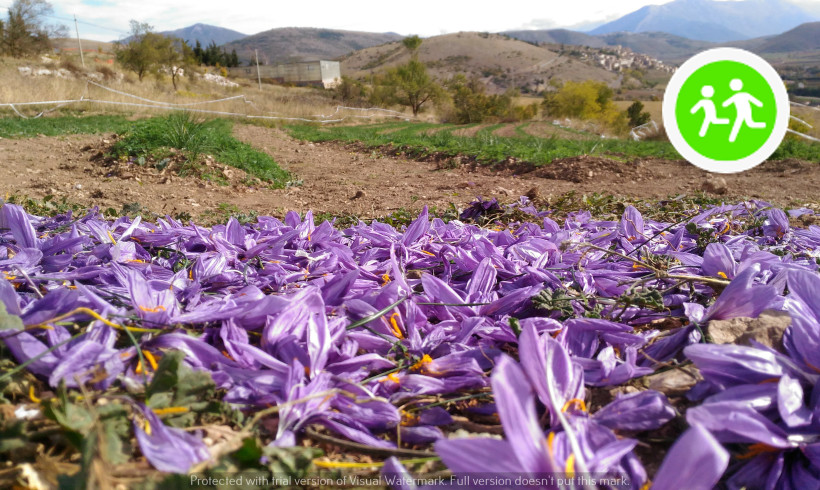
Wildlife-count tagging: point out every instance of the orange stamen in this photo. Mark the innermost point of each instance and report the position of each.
(575, 402)
(757, 450)
(424, 363)
(31, 395)
(164, 411)
(151, 359)
(152, 310)
(394, 326)
(391, 377)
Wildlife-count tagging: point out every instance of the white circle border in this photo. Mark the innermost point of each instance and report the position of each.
(755, 62)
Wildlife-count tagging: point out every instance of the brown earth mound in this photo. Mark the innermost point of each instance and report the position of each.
(338, 178)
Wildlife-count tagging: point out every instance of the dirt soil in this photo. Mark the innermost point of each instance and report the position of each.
(339, 178)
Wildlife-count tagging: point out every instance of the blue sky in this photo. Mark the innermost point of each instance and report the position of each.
(106, 20)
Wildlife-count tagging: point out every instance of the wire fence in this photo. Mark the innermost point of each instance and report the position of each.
(637, 133)
(341, 113)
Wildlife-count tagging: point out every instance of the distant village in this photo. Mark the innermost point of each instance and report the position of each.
(619, 58)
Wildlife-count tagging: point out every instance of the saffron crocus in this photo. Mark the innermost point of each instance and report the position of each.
(741, 298)
(582, 446)
(167, 448)
(524, 451)
(542, 357)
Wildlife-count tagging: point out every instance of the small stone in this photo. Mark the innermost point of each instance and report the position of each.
(78, 186)
(766, 329)
(591, 174)
(715, 185)
(674, 382)
(414, 274)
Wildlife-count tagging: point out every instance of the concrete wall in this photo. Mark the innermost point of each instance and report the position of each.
(321, 73)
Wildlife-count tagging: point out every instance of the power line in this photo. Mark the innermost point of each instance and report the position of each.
(65, 19)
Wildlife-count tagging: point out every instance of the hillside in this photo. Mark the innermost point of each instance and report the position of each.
(711, 20)
(303, 44)
(69, 44)
(803, 40)
(498, 60)
(205, 34)
(557, 36)
(805, 37)
(661, 45)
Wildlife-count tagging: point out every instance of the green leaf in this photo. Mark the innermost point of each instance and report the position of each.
(12, 436)
(9, 321)
(176, 385)
(295, 462)
(249, 454)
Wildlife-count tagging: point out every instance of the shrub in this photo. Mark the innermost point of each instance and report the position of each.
(588, 100)
(635, 114)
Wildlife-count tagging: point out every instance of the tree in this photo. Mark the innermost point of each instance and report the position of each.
(179, 57)
(412, 43)
(410, 85)
(636, 117)
(24, 33)
(146, 51)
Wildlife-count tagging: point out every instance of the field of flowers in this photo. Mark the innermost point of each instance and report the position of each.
(511, 347)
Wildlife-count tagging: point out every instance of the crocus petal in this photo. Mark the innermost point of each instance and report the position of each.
(478, 455)
(696, 462)
(644, 410)
(516, 409)
(167, 448)
(396, 476)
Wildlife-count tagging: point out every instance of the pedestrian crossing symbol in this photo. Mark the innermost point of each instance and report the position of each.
(726, 110)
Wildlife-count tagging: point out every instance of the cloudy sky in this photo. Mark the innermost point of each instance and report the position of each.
(107, 20)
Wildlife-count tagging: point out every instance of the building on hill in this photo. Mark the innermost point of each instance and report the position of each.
(325, 74)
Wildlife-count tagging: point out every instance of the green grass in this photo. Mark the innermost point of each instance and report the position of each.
(413, 138)
(484, 146)
(182, 131)
(16, 127)
(154, 136)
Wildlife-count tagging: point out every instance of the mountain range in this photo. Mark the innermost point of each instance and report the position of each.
(304, 43)
(710, 20)
(671, 32)
(205, 34)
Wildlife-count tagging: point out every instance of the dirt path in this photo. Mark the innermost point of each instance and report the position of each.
(339, 178)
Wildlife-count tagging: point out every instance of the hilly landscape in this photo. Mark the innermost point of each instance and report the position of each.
(710, 20)
(558, 36)
(497, 60)
(799, 41)
(302, 43)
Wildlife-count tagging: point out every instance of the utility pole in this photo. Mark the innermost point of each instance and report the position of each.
(78, 41)
(258, 74)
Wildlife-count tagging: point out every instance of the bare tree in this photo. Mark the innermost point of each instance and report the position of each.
(25, 33)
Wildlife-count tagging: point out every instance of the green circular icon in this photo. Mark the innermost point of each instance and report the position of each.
(722, 123)
(726, 110)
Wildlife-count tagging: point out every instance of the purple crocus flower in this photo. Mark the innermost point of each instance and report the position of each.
(167, 448)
